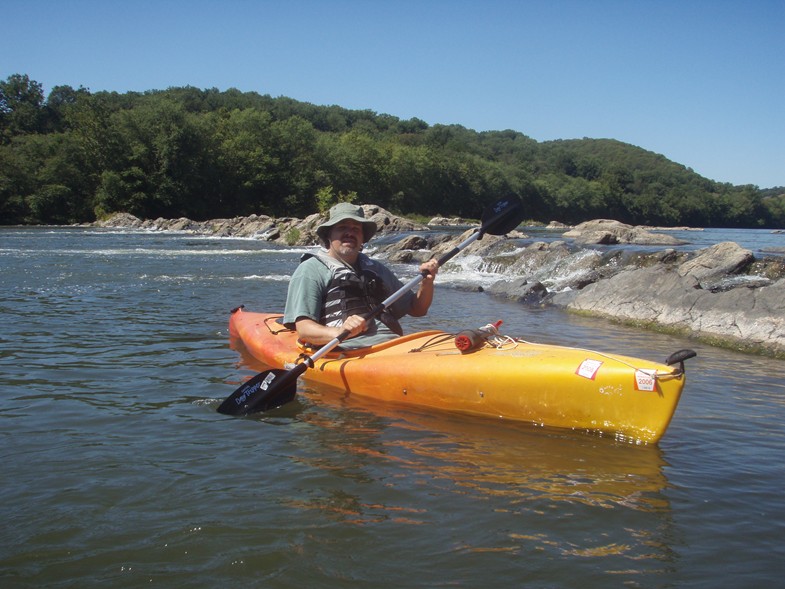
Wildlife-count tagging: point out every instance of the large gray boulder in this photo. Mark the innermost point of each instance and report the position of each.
(715, 262)
(610, 232)
(661, 295)
(121, 220)
(386, 222)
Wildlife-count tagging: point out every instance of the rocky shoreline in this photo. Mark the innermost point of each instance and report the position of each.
(722, 295)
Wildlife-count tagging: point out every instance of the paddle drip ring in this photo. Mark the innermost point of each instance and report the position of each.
(304, 358)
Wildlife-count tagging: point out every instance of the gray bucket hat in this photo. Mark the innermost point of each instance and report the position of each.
(346, 210)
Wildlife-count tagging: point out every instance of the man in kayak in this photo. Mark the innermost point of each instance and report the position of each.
(331, 291)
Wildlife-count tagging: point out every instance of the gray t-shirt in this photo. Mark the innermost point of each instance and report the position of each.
(309, 284)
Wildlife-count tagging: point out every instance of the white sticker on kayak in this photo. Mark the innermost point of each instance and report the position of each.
(588, 368)
(645, 380)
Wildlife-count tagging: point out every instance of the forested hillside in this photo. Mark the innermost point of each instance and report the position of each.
(76, 155)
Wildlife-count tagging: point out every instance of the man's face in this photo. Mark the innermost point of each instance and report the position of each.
(346, 239)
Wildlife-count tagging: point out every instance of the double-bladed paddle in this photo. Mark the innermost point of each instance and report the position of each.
(273, 388)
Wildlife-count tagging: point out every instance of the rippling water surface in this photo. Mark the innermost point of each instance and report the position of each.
(117, 471)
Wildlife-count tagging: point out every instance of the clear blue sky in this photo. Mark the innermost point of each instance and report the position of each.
(700, 81)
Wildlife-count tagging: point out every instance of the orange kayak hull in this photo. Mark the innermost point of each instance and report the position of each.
(555, 386)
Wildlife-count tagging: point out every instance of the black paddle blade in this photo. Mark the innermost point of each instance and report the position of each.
(265, 391)
(502, 216)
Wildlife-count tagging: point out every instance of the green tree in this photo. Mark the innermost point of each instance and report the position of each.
(156, 162)
(326, 197)
(21, 106)
(361, 163)
(16, 181)
(297, 170)
(246, 159)
(774, 207)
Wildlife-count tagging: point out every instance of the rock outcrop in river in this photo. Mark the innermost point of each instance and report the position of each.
(721, 294)
(610, 232)
(282, 230)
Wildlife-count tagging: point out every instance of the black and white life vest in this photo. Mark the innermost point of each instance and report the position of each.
(352, 292)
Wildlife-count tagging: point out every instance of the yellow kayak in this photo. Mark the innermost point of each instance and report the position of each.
(500, 377)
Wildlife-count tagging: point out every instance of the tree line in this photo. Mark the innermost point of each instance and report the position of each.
(76, 155)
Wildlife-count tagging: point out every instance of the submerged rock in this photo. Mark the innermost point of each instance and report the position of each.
(520, 290)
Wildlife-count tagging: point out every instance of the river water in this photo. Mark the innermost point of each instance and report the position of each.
(117, 471)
